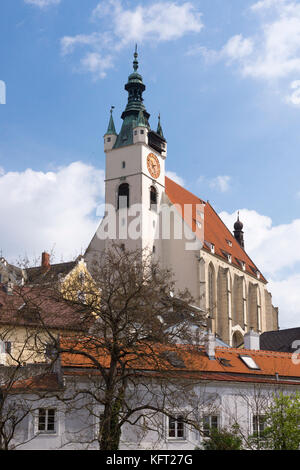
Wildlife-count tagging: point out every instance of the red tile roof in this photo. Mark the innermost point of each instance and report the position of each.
(215, 231)
(193, 361)
(38, 306)
(39, 383)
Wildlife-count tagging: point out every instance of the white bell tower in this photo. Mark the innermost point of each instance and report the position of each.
(135, 173)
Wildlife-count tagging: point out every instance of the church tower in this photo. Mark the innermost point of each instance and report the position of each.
(135, 169)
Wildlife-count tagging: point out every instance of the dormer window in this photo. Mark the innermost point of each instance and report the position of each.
(212, 248)
(242, 264)
(229, 243)
(256, 272)
(227, 256)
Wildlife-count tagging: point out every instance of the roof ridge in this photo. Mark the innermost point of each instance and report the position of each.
(235, 241)
(264, 352)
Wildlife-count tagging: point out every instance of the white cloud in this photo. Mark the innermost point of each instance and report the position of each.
(272, 53)
(276, 47)
(237, 47)
(40, 210)
(173, 176)
(42, 3)
(294, 97)
(220, 183)
(97, 41)
(274, 250)
(161, 21)
(286, 295)
(96, 64)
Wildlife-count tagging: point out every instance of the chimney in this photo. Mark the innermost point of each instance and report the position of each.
(251, 340)
(210, 346)
(45, 260)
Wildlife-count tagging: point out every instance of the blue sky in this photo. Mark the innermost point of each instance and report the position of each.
(225, 76)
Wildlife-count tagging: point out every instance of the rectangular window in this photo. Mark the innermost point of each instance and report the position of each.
(176, 428)
(7, 347)
(210, 422)
(259, 424)
(47, 420)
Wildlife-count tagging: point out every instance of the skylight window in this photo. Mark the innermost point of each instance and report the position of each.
(250, 362)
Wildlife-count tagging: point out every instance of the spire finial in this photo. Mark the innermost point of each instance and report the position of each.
(111, 109)
(135, 62)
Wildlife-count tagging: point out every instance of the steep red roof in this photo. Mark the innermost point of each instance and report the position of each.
(215, 231)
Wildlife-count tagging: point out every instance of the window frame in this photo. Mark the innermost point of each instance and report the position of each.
(47, 431)
(258, 431)
(207, 430)
(176, 437)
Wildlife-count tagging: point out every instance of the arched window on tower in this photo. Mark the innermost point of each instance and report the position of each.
(153, 198)
(123, 196)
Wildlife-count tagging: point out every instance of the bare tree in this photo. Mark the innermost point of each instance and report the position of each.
(131, 323)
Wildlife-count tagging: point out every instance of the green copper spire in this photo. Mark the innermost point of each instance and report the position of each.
(159, 128)
(111, 130)
(135, 110)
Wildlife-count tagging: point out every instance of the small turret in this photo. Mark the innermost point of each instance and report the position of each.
(159, 128)
(238, 232)
(110, 136)
(140, 129)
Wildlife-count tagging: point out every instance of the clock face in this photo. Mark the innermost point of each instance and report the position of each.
(153, 165)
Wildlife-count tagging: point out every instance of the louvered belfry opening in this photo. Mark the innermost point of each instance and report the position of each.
(123, 196)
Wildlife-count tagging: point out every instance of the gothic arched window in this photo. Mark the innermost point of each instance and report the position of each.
(153, 198)
(123, 196)
(211, 290)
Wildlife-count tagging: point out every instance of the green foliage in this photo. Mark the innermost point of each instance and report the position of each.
(283, 423)
(224, 439)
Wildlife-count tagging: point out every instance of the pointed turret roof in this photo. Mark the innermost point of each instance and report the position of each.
(159, 128)
(111, 130)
